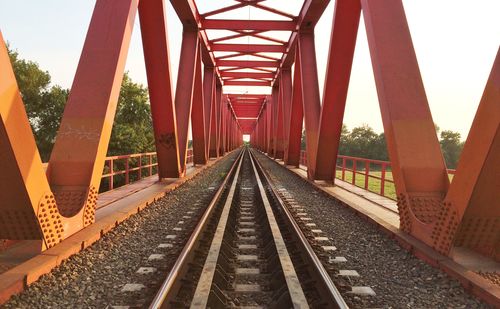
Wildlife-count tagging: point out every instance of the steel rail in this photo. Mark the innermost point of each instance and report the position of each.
(334, 293)
(203, 289)
(180, 263)
(202, 293)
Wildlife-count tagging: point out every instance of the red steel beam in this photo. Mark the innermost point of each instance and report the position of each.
(307, 19)
(77, 159)
(247, 63)
(269, 114)
(247, 75)
(184, 91)
(274, 119)
(310, 97)
(473, 212)
(224, 9)
(248, 96)
(218, 104)
(266, 25)
(214, 148)
(272, 10)
(418, 167)
(342, 43)
(286, 87)
(292, 155)
(209, 79)
(67, 194)
(198, 116)
(157, 58)
(246, 83)
(248, 48)
(278, 141)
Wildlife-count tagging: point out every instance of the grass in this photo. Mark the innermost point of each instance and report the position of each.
(373, 183)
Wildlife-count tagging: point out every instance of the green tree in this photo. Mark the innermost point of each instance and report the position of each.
(451, 147)
(44, 104)
(133, 128)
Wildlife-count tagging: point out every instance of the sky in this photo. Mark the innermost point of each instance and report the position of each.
(455, 42)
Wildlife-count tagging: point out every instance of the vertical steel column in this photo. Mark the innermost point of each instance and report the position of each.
(286, 90)
(274, 118)
(157, 58)
(218, 111)
(223, 124)
(198, 117)
(213, 147)
(418, 167)
(208, 101)
(185, 90)
(310, 97)
(226, 124)
(471, 214)
(280, 126)
(292, 156)
(269, 124)
(342, 43)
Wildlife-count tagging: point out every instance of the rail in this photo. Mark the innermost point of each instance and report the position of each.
(372, 175)
(227, 244)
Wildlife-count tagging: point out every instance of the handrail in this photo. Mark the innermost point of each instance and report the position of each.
(367, 169)
(129, 168)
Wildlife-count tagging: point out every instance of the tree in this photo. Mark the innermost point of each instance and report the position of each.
(451, 147)
(133, 128)
(44, 104)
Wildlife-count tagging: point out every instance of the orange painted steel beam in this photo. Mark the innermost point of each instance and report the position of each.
(280, 122)
(157, 58)
(292, 155)
(52, 208)
(185, 90)
(247, 48)
(266, 25)
(418, 166)
(198, 116)
(218, 110)
(342, 43)
(310, 97)
(471, 210)
(22, 179)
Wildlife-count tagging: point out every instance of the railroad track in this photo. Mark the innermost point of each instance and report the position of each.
(247, 252)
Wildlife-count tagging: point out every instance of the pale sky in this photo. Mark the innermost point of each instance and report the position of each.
(455, 42)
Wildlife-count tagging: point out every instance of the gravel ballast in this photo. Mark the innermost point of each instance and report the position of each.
(399, 279)
(150, 240)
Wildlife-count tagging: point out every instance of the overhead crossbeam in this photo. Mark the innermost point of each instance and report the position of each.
(266, 25)
(247, 48)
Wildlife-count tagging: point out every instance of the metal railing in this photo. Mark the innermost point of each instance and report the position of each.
(371, 175)
(132, 168)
